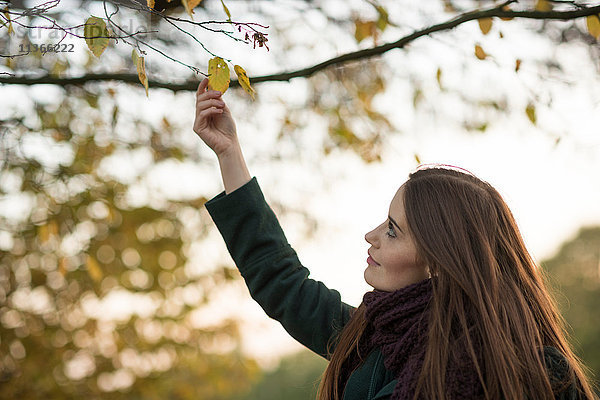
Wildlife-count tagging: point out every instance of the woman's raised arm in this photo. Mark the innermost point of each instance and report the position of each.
(216, 127)
(309, 311)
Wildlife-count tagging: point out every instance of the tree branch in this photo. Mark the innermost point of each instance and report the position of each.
(498, 11)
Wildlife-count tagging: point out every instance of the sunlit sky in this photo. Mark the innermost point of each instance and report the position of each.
(552, 186)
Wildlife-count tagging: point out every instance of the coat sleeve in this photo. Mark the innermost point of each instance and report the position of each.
(307, 309)
(386, 392)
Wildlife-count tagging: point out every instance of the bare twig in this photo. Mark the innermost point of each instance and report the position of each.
(497, 11)
(126, 78)
(194, 69)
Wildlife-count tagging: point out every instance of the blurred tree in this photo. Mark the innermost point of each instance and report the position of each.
(358, 33)
(575, 272)
(296, 378)
(363, 25)
(96, 292)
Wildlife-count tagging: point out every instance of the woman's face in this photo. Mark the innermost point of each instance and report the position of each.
(393, 262)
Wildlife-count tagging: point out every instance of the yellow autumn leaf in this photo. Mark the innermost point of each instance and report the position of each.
(543, 5)
(188, 10)
(63, 266)
(417, 159)
(438, 77)
(193, 4)
(364, 29)
(384, 19)
(449, 7)
(189, 6)
(59, 68)
(244, 80)
(226, 11)
(45, 232)
(93, 268)
(530, 111)
(141, 69)
(479, 53)
(485, 24)
(593, 25)
(218, 74)
(53, 227)
(96, 35)
(11, 31)
(150, 3)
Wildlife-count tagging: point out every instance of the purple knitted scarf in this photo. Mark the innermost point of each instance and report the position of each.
(398, 324)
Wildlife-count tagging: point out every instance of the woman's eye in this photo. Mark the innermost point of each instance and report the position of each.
(390, 232)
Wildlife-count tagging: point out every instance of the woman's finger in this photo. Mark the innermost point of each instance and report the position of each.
(202, 117)
(209, 94)
(204, 104)
(202, 86)
(205, 114)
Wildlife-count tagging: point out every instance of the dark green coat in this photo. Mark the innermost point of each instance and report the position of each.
(307, 309)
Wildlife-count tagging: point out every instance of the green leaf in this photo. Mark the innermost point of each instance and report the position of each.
(96, 35)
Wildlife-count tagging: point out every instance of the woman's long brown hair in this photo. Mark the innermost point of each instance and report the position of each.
(489, 298)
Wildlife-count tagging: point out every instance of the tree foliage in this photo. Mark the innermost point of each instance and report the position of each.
(575, 272)
(296, 378)
(174, 50)
(96, 291)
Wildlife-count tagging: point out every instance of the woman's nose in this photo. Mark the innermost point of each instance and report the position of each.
(370, 237)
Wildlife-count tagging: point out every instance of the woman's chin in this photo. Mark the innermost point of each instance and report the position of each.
(369, 276)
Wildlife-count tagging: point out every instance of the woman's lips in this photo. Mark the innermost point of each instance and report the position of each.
(370, 261)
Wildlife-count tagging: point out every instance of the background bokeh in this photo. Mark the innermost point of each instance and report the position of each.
(114, 283)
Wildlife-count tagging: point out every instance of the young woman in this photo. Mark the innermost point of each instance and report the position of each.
(458, 311)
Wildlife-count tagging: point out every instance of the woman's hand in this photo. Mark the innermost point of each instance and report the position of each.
(215, 126)
(214, 123)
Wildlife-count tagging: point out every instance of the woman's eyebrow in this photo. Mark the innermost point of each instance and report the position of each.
(394, 222)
